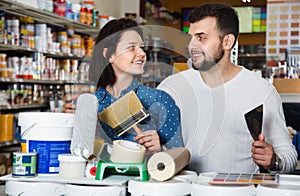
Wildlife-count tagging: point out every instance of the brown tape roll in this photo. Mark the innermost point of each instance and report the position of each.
(164, 165)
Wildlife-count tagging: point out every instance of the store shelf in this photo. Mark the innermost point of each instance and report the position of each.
(252, 38)
(20, 9)
(24, 107)
(9, 143)
(14, 48)
(58, 82)
(290, 98)
(251, 56)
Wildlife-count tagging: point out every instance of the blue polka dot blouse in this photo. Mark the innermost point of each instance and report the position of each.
(164, 115)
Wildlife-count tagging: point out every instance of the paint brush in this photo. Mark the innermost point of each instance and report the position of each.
(124, 114)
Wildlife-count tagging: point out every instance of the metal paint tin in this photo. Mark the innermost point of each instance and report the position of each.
(24, 164)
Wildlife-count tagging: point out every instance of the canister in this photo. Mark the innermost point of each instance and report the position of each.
(24, 164)
(71, 166)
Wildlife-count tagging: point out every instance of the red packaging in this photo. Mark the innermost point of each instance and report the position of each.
(60, 7)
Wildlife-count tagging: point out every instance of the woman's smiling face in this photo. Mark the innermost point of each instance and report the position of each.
(129, 57)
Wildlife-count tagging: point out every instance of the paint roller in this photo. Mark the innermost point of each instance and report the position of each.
(84, 129)
(125, 113)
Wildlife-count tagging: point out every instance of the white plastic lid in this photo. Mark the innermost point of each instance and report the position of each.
(152, 187)
(70, 158)
(46, 119)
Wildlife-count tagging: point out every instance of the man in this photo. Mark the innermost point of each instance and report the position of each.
(215, 95)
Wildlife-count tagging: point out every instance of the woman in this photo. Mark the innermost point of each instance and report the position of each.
(117, 57)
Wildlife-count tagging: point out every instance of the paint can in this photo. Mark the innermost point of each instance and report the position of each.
(49, 134)
(24, 164)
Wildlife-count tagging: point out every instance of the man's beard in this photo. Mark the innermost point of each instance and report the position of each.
(207, 64)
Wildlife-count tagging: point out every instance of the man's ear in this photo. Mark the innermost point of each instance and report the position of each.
(228, 42)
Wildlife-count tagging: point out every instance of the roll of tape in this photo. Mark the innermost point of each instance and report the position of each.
(124, 151)
(164, 165)
(91, 169)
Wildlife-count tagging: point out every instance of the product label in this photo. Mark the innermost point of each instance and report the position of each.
(48, 151)
(24, 164)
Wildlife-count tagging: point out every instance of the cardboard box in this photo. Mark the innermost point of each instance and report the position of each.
(289, 86)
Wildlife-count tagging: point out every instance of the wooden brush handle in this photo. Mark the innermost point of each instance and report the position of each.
(137, 130)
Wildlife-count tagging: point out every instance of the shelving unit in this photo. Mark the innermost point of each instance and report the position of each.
(44, 88)
(20, 9)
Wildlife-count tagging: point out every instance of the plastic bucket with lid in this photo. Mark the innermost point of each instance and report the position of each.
(48, 134)
(172, 187)
(79, 190)
(16, 188)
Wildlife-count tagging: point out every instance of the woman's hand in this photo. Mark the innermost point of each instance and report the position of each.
(69, 108)
(149, 139)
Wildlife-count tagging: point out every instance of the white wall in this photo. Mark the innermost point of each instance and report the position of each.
(117, 8)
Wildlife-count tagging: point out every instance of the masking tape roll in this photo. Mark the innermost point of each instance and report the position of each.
(124, 151)
(164, 165)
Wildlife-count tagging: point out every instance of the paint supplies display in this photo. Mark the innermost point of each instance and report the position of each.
(164, 165)
(48, 134)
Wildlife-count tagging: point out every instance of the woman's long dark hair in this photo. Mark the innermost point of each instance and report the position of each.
(109, 37)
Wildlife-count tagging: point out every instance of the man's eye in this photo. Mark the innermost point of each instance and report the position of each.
(201, 38)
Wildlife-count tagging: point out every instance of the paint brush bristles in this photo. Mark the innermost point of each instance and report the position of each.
(124, 113)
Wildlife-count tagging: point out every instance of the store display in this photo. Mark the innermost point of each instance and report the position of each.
(39, 65)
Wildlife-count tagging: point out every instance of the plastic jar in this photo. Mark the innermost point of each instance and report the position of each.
(71, 166)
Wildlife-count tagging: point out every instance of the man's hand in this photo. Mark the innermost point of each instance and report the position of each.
(263, 152)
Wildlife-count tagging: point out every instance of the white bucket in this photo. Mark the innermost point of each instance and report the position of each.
(172, 187)
(16, 188)
(204, 189)
(48, 134)
(279, 190)
(79, 190)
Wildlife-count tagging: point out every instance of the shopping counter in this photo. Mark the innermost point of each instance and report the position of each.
(184, 183)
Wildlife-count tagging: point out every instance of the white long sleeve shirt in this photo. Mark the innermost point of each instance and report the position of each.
(213, 125)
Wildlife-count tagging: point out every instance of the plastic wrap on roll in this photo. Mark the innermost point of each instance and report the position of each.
(164, 165)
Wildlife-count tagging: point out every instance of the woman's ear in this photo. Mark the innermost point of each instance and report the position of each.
(228, 42)
(104, 53)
